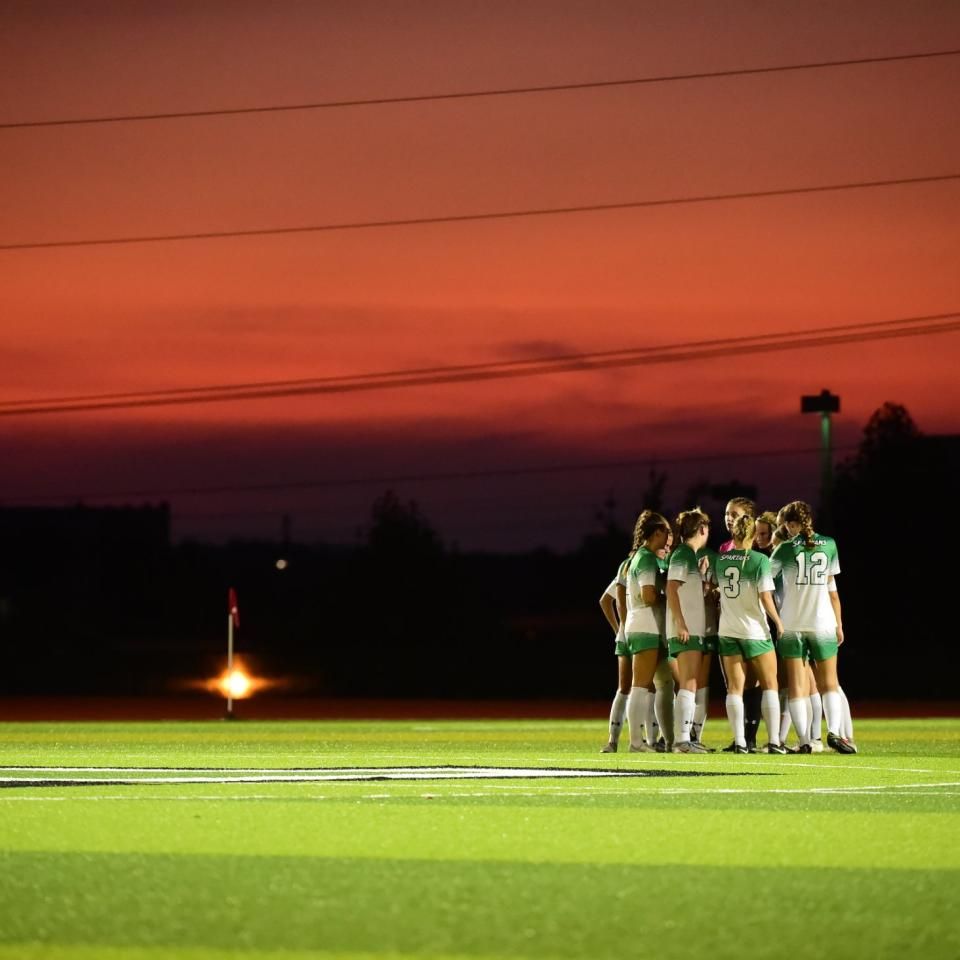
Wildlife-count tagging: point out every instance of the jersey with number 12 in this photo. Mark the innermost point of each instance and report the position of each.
(806, 583)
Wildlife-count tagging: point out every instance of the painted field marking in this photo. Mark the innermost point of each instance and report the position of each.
(768, 761)
(481, 795)
(320, 774)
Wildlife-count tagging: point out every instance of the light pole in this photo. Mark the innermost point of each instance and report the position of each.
(823, 403)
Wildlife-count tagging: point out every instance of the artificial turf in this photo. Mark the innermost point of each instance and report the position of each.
(846, 856)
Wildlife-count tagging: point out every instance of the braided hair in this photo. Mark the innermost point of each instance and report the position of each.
(647, 524)
(799, 512)
(744, 528)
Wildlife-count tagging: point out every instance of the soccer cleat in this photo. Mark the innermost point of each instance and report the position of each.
(840, 744)
(775, 748)
(753, 748)
(739, 749)
(610, 747)
(732, 748)
(804, 748)
(643, 748)
(690, 746)
(816, 745)
(787, 749)
(661, 746)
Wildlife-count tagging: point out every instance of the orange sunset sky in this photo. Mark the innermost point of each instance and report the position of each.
(193, 313)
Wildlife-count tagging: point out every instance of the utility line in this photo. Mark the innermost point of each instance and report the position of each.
(576, 364)
(388, 375)
(472, 217)
(444, 476)
(470, 94)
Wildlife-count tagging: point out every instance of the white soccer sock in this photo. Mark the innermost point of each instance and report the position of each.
(686, 704)
(617, 712)
(735, 716)
(700, 712)
(846, 728)
(816, 716)
(784, 717)
(636, 711)
(799, 708)
(770, 708)
(833, 708)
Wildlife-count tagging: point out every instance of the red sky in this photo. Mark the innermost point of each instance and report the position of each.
(182, 314)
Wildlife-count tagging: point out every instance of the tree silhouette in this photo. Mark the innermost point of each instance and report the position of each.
(400, 529)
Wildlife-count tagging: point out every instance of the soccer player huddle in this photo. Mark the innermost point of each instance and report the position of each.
(675, 603)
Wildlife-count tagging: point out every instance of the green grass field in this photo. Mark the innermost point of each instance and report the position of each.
(224, 841)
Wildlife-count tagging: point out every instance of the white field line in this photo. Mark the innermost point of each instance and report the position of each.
(264, 770)
(636, 761)
(641, 758)
(435, 771)
(324, 775)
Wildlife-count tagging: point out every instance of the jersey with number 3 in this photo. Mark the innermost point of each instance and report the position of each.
(742, 576)
(806, 575)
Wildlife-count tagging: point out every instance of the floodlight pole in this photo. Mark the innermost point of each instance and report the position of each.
(824, 403)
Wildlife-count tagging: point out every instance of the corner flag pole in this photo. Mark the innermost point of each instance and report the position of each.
(233, 620)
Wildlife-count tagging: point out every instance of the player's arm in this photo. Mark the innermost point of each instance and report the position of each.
(673, 599)
(607, 606)
(776, 561)
(766, 600)
(835, 603)
(650, 594)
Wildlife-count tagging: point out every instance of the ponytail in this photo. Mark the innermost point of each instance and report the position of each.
(744, 528)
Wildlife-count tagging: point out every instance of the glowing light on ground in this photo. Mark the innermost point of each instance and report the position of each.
(237, 685)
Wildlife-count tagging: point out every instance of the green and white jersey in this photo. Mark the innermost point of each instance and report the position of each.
(620, 579)
(742, 576)
(806, 575)
(685, 568)
(622, 572)
(644, 570)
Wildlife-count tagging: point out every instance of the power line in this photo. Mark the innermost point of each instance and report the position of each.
(573, 363)
(470, 94)
(385, 377)
(444, 476)
(472, 217)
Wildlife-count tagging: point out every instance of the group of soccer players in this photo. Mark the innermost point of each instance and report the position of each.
(674, 603)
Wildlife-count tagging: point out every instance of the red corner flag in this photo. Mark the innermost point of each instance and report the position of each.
(233, 609)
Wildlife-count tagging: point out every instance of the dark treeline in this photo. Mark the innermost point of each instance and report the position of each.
(98, 602)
